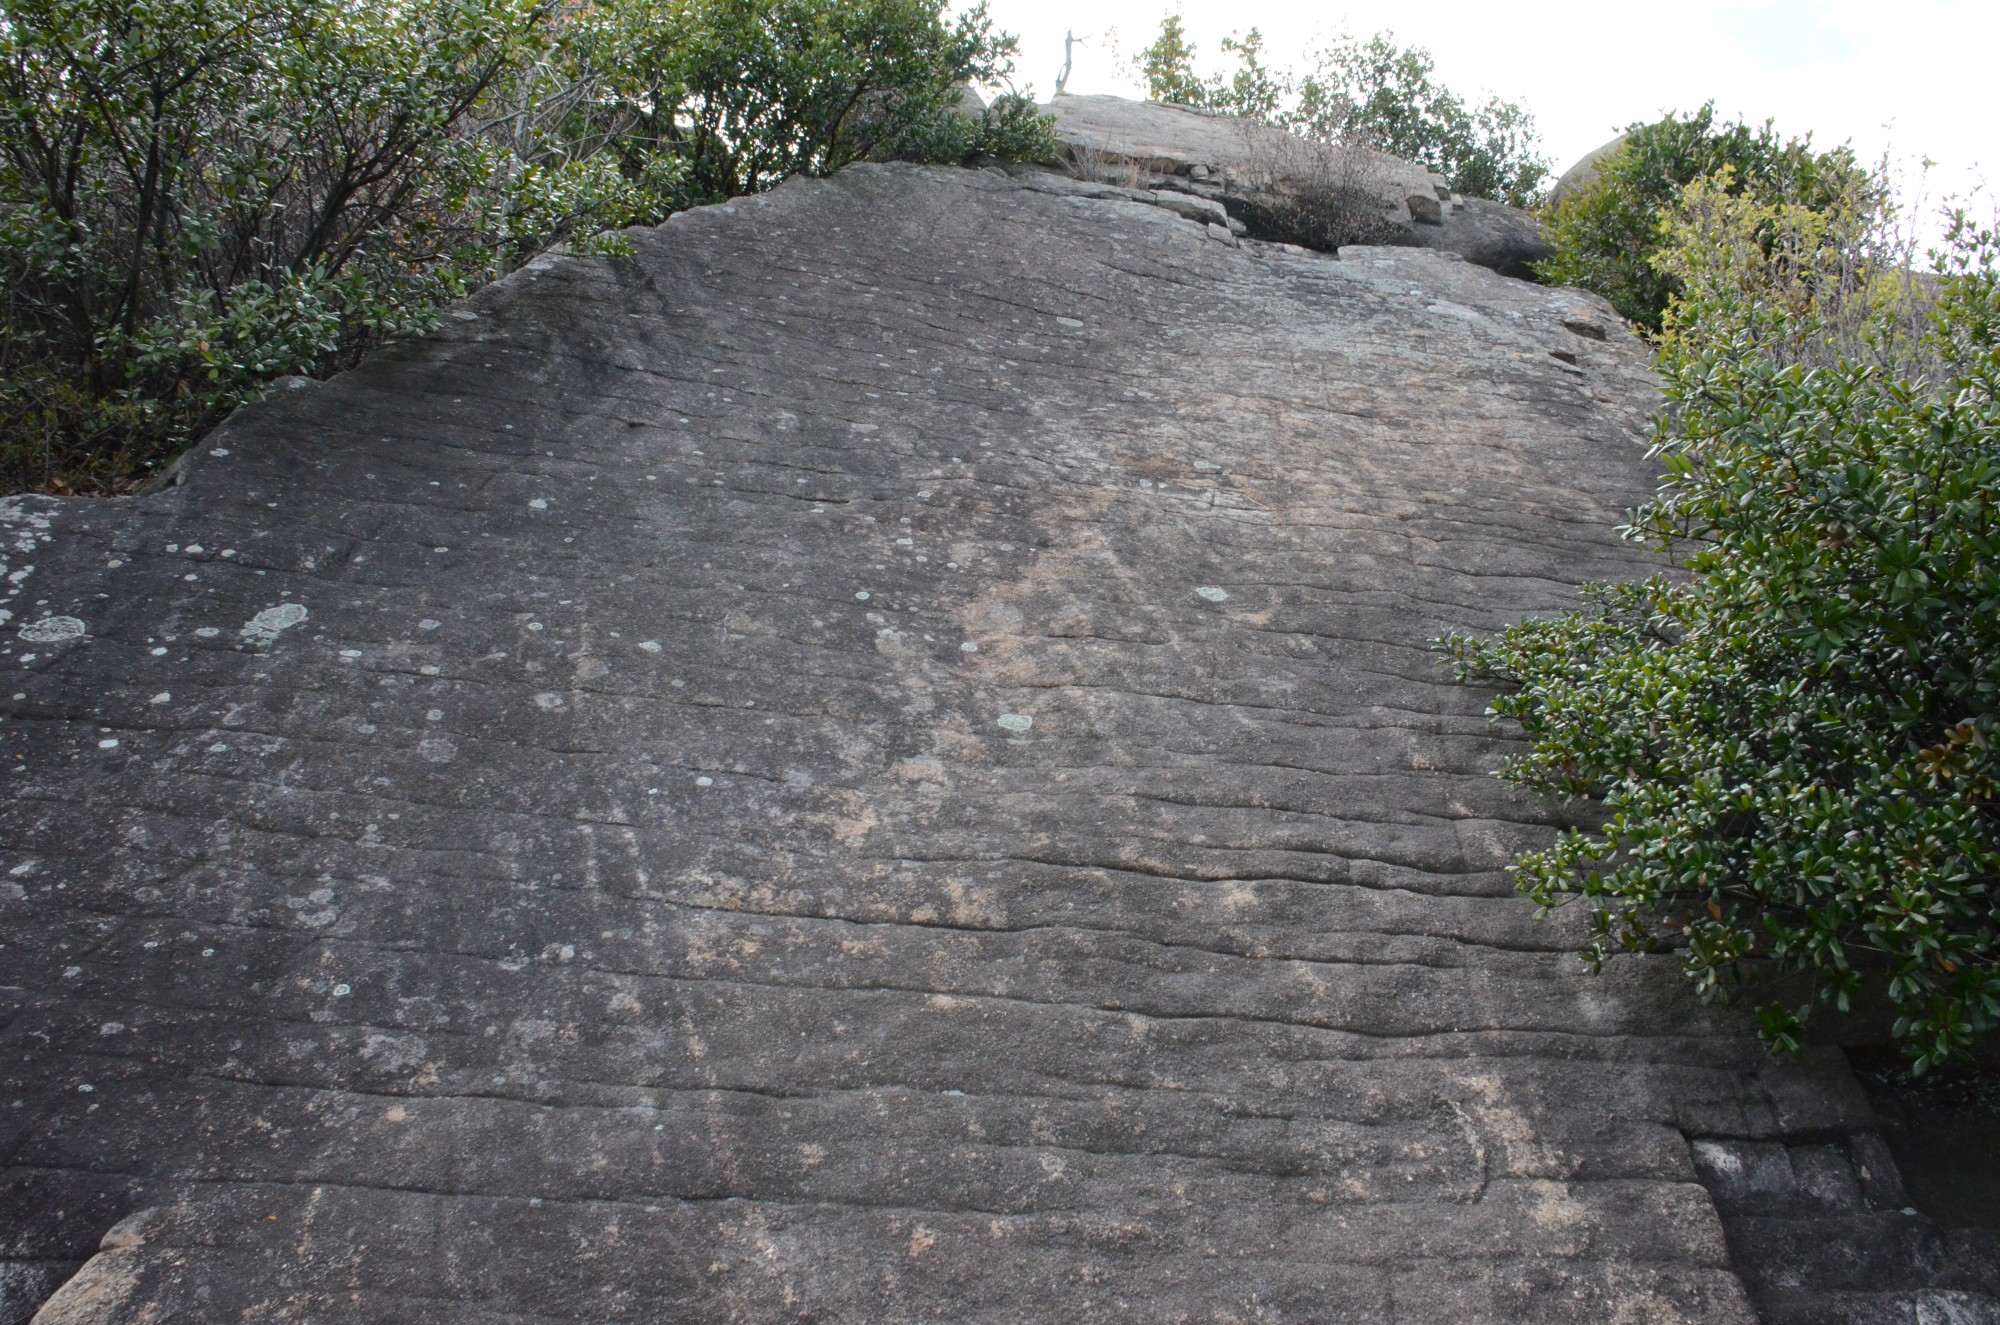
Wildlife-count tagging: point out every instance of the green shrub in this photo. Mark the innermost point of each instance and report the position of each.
(746, 93)
(1375, 93)
(1387, 95)
(1606, 234)
(1789, 741)
(198, 196)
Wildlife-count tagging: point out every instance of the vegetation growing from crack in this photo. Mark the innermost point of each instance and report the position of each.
(199, 196)
(1791, 738)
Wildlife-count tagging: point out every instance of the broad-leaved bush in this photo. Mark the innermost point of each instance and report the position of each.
(1786, 742)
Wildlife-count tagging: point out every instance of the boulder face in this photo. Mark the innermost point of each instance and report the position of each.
(1269, 179)
(1584, 170)
(877, 760)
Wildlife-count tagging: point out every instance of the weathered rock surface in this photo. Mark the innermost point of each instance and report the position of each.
(1254, 168)
(1490, 234)
(877, 761)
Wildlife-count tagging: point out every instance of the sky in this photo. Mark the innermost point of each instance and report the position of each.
(1915, 79)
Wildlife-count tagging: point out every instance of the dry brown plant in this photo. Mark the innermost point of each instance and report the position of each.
(1313, 192)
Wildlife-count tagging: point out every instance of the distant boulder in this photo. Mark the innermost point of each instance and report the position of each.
(1489, 234)
(1584, 170)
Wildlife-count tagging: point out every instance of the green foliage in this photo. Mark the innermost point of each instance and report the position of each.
(1375, 93)
(197, 196)
(1606, 234)
(1789, 743)
(746, 93)
(1168, 65)
(1388, 94)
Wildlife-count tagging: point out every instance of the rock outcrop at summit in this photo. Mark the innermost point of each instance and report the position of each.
(1258, 172)
(878, 760)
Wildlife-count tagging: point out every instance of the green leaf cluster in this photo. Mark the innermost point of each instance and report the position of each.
(198, 196)
(1374, 93)
(746, 93)
(1787, 742)
(1607, 232)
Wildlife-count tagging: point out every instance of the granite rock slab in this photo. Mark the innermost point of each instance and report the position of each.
(877, 760)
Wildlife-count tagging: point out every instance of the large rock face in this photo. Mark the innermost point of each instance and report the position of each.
(878, 761)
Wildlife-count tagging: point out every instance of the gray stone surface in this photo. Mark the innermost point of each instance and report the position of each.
(877, 761)
(1490, 234)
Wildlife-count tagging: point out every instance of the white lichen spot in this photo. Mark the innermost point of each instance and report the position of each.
(1207, 466)
(1212, 594)
(264, 628)
(547, 700)
(434, 715)
(342, 991)
(862, 596)
(650, 645)
(539, 504)
(704, 781)
(1717, 1156)
(205, 632)
(164, 697)
(108, 743)
(350, 653)
(219, 452)
(968, 647)
(53, 630)
(1015, 722)
(906, 542)
(429, 624)
(1068, 322)
(194, 549)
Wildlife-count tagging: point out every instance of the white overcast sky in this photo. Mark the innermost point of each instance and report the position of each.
(1920, 78)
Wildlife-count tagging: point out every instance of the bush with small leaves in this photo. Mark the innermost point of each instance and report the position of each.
(198, 196)
(1374, 93)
